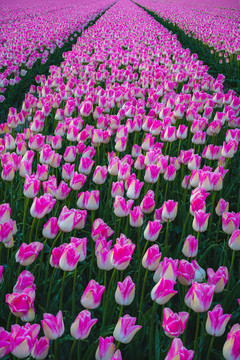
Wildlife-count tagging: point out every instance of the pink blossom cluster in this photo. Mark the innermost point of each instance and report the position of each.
(214, 22)
(33, 31)
(127, 139)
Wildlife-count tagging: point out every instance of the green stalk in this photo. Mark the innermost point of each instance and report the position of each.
(142, 293)
(26, 201)
(150, 353)
(72, 349)
(31, 231)
(62, 290)
(231, 269)
(50, 288)
(183, 232)
(210, 348)
(74, 292)
(166, 238)
(196, 334)
(140, 267)
(166, 189)
(41, 260)
(107, 299)
(212, 213)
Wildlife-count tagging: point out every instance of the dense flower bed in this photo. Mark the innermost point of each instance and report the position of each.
(119, 203)
(33, 30)
(215, 23)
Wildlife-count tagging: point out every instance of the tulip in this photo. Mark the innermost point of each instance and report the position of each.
(190, 246)
(23, 339)
(42, 172)
(122, 255)
(152, 230)
(69, 258)
(151, 258)
(62, 191)
(186, 273)
(5, 342)
(53, 327)
(163, 291)
(125, 329)
(199, 297)
(41, 348)
(234, 241)
(134, 189)
(231, 346)
(66, 220)
(100, 229)
(82, 325)
(31, 186)
(92, 295)
(136, 217)
(125, 292)
(174, 324)
(85, 165)
(77, 181)
(100, 175)
(169, 211)
(27, 254)
(81, 247)
(230, 222)
(222, 207)
(105, 348)
(51, 228)
(216, 322)
(148, 204)
(25, 280)
(117, 188)
(152, 173)
(167, 269)
(121, 206)
(219, 279)
(42, 206)
(178, 351)
(91, 200)
(200, 221)
(21, 305)
(5, 213)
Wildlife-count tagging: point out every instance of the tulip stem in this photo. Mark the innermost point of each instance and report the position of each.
(120, 312)
(26, 201)
(41, 260)
(150, 356)
(107, 298)
(50, 288)
(185, 331)
(31, 231)
(47, 270)
(11, 190)
(212, 213)
(231, 269)
(143, 291)
(62, 289)
(79, 349)
(118, 345)
(166, 189)
(196, 334)
(166, 238)
(210, 348)
(72, 349)
(9, 320)
(74, 292)
(139, 268)
(183, 231)
(55, 349)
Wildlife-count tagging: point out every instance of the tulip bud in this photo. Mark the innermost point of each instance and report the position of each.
(81, 327)
(163, 291)
(174, 324)
(92, 295)
(216, 322)
(125, 292)
(105, 348)
(126, 329)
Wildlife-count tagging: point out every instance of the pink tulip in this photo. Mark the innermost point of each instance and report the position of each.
(53, 327)
(152, 230)
(122, 255)
(174, 324)
(234, 241)
(5, 342)
(216, 322)
(190, 246)
(169, 211)
(121, 206)
(125, 292)
(230, 222)
(167, 269)
(100, 229)
(231, 346)
(199, 297)
(41, 348)
(82, 325)
(222, 207)
(77, 181)
(92, 295)
(21, 305)
(151, 173)
(42, 172)
(56, 255)
(81, 247)
(5, 213)
(136, 217)
(85, 165)
(23, 339)
(151, 258)
(178, 351)
(200, 221)
(31, 186)
(219, 279)
(125, 329)
(67, 219)
(134, 189)
(148, 204)
(62, 191)
(27, 254)
(69, 258)
(163, 291)
(91, 200)
(105, 348)
(186, 273)
(51, 228)
(42, 206)
(25, 280)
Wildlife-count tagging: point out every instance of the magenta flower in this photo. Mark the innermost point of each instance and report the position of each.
(82, 325)
(199, 297)
(174, 324)
(216, 322)
(126, 329)
(125, 292)
(92, 295)
(53, 327)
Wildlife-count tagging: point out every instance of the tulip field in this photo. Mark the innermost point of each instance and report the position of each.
(120, 180)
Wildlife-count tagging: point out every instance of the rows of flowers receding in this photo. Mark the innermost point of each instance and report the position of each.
(215, 23)
(112, 184)
(34, 31)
